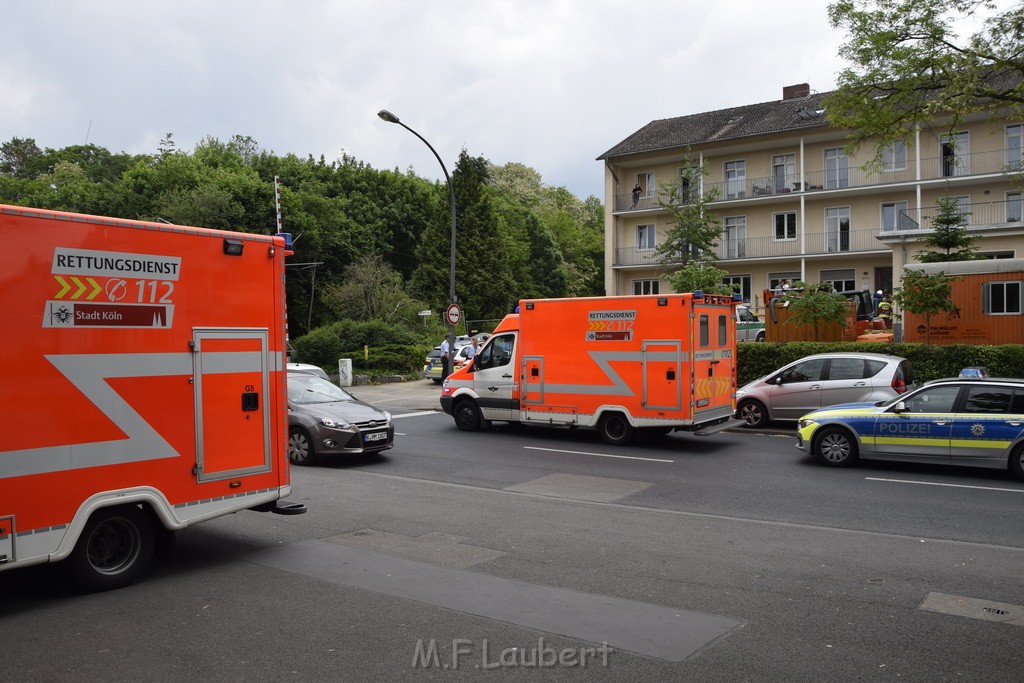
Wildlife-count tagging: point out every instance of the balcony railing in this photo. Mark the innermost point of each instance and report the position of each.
(980, 215)
(816, 244)
(1005, 214)
(840, 178)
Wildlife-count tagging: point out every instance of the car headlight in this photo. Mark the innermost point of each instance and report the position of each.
(740, 392)
(803, 422)
(333, 424)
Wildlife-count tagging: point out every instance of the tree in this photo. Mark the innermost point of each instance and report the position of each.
(699, 276)
(371, 290)
(909, 67)
(815, 305)
(949, 233)
(688, 252)
(483, 283)
(925, 295)
(17, 157)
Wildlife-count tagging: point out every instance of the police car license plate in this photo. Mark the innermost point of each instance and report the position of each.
(375, 436)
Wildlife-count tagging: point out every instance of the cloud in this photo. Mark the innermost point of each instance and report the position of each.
(550, 84)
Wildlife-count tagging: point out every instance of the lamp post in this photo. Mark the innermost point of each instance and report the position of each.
(385, 115)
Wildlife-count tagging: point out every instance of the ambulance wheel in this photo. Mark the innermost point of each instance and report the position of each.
(300, 447)
(835, 447)
(616, 430)
(1017, 462)
(754, 413)
(115, 547)
(467, 415)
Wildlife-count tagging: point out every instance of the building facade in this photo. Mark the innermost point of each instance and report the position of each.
(794, 205)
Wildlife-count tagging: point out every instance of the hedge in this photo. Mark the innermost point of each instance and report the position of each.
(928, 361)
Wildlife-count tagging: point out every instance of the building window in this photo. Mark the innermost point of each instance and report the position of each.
(646, 287)
(1014, 147)
(842, 280)
(955, 158)
(645, 237)
(1001, 298)
(837, 168)
(784, 172)
(689, 184)
(736, 237)
(735, 179)
(740, 284)
(1014, 207)
(892, 213)
(894, 157)
(785, 226)
(837, 229)
(775, 278)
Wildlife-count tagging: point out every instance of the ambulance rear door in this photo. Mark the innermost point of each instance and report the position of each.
(713, 346)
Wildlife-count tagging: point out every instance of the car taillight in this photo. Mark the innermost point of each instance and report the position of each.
(898, 385)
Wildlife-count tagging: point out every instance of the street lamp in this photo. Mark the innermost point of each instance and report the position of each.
(385, 115)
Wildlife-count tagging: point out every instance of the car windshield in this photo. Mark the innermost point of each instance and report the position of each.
(305, 389)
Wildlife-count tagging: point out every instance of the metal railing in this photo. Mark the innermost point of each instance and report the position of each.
(815, 244)
(842, 177)
(979, 215)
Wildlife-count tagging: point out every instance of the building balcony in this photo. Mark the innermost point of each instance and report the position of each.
(1008, 214)
(815, 244)
(943, 168)
(1004, 215)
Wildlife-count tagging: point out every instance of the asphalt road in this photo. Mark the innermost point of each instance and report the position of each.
(728, 557)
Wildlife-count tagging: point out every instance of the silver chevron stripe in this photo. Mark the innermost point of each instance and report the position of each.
(89, 372)
(618, 386)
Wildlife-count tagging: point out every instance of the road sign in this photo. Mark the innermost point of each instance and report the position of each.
(453, 314)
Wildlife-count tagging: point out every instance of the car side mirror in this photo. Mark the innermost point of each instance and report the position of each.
(775, 380)
(899, 407)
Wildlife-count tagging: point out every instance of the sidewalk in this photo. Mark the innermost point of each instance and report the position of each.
(421, 394)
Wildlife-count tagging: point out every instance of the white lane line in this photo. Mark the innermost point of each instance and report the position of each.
(954, 486)
(424, 412)
(600, 455)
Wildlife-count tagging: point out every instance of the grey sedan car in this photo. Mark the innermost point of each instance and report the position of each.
(325, 420)
(821, 380)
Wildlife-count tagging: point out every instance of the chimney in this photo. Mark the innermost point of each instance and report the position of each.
(792, 92)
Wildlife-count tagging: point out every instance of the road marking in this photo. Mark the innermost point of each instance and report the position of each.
(600, 455)
(422, 412)
(935, 483)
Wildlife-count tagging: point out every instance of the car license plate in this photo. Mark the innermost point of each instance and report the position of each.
(375, 436)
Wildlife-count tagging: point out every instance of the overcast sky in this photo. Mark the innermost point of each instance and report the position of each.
(548, 83)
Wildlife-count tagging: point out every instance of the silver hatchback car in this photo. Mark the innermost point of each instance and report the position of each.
(821, 380)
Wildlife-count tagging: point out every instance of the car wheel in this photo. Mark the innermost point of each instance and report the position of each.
(1017, 462)
(836, 447)
(467, 415)
(759, 337)
(115, 547)
(616, 430)
(754, 413)
(300, 447)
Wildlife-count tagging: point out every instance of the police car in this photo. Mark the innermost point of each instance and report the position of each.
(970, 420)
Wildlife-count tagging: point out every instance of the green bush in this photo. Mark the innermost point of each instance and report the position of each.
(929, 362)
(325, 345)
(391, 359)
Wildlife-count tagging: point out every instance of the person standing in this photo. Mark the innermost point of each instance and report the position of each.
(445, 359)
(471, 351)
(885, 312)
(636, 194)
(876, 299)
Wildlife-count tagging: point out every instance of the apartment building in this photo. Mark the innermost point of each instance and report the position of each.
(794, 205)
